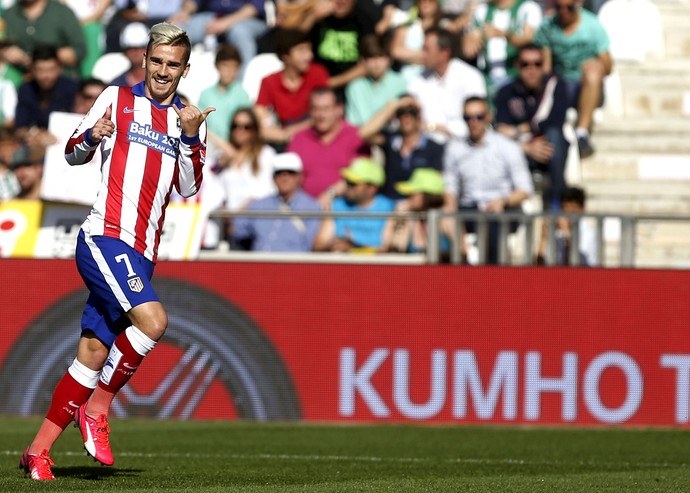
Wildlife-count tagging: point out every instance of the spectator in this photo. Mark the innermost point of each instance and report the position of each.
(301, 14)
(335, 40)
(90, 15)
(8, 71)
(283, 101)
(8, 99)
(425, 190)
(406, 149)
(485, 172)
(408, 39)
(89, 90)
(280, 234)
(238, 22)
(443, 86)
(498, 29)
(147, 12)
(531, 110)
(227, 96)
(34, 23)
(9, 186)
(327, 146)
(576, 47)
(366, 95)
(572, 202)
(48, 91)
(246, 172)
(27, 166)
(343, 234)
(133, 41)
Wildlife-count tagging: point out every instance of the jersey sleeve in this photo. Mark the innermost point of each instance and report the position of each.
(191, 159)
(79, 148)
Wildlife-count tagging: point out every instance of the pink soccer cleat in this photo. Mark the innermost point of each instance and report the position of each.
(95, 433)
(37, 465)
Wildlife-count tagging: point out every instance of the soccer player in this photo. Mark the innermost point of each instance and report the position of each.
(149, 142)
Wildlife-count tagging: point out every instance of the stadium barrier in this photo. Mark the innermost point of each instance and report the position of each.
(374, 343)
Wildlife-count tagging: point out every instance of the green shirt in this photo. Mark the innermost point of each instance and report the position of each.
(588, 41)
(365, 96)
(226, 102)
(57, 26)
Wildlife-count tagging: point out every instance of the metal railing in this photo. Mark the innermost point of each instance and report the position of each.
(514, 248)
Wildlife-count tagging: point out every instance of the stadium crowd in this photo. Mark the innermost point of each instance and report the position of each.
(378, 105)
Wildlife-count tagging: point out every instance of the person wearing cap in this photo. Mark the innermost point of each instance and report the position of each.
(280, 234)
(27, 166)
(133, 41)
(363, 179)
(424, 191)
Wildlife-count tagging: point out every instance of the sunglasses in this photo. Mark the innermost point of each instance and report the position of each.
(479, 117)
(351, 183)
(407, 111)
(243, 126)
(538, 64)
(570, 7)
(285, 171)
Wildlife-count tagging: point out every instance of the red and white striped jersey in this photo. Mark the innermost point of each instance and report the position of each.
(141, 162)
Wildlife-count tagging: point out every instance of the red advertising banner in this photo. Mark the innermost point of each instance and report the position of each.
(375, 343)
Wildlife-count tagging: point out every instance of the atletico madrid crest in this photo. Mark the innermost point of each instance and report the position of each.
(135, 284)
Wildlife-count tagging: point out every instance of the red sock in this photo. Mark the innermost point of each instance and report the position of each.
(121, 364)
(68, 396)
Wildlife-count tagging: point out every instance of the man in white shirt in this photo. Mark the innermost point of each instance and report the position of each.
(444, 85)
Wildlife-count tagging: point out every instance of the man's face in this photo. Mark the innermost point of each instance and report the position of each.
(165, 66)
(476, 115)
(46, 73)
(227, 71)
(86, 97)
(358, 193)
(343, 8)
(409, 120)
(135, 55)
(29, 175)
(566, 12)
(325, 112)
(287, 182)
(376, 66)
(531, 68)
(432, 56)
(300, 57)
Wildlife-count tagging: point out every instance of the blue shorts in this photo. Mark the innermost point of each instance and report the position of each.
(118, 278)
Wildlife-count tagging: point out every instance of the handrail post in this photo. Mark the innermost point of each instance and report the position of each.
(433, 243)
(627, 241)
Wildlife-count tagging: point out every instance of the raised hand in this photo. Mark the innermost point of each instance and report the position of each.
(191, 118)
(104, 127)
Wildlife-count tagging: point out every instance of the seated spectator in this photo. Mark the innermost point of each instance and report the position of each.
(280, 234)
(283, 101)
(366, 95)
(227, 96)
(238, 22)
(573, 202)
(408, 39)
(497, 30)
(363, 179)
(531, 110)
(47, 91)
(576, 47)
(90, 16)
(89, 90)
(406, 149)
(35, 23)
(246, 173)
(444, 85)
(147, 12)
(133, 41)
(27, 166)
(327, 146)
(335, 40)
(485, 172)
(425, 190)
(9, 187)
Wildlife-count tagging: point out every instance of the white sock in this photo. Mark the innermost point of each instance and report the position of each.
(83, 374)
(140, 342)
(581, 132)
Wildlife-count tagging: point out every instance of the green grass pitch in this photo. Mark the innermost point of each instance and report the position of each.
(213, 456)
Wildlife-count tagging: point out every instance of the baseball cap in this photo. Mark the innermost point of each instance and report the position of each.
(364, 170)
(26, 155)
(287, 161)
(423, 180)
(134, 35)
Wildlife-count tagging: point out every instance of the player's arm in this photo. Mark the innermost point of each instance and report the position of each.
(98, 124)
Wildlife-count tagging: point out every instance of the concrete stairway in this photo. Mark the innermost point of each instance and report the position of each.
(642, 163)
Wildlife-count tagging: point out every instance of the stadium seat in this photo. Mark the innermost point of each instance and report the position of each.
(259, 67)
(634, 27)
(109, 66)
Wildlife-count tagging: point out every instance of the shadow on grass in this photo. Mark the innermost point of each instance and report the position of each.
(94, 473)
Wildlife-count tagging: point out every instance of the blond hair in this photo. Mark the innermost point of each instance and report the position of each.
(168, 34)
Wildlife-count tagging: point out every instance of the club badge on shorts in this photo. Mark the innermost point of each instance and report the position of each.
(135, 284)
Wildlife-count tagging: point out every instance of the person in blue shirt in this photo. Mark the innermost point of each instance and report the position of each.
(363, 179)
(280, 234)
